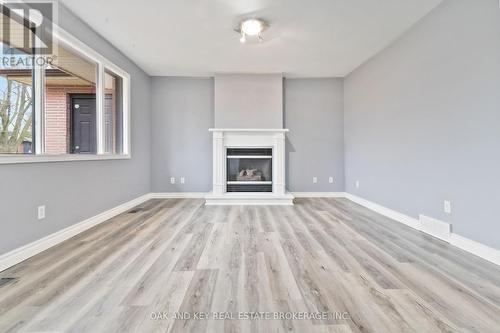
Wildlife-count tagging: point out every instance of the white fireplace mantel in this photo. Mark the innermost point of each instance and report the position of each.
(224, 138)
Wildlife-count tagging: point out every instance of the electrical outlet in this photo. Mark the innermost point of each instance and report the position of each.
(183, 180)
(41, 212)
(330, 180)
(447, 207)
(357, 183)
(172, 180)
(315, 180)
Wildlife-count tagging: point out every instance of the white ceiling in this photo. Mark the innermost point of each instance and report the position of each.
(307, 38)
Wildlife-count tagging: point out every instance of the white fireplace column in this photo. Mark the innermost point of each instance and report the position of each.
(279, 164)
(219, 169)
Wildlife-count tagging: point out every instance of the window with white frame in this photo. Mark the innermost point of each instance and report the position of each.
(72, 107)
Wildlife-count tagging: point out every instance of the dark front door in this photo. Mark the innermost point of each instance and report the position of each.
(83, 110)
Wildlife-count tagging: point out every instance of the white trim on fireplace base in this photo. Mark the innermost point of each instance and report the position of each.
(242, 198)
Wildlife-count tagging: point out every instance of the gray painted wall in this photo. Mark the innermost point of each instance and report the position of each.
(422, 120)
(313, 112)
(183, 111)
(315, 143)
(249, 101)
(421, 126)
(74, 191)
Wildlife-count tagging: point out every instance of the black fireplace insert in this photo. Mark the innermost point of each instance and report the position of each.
(249, 170)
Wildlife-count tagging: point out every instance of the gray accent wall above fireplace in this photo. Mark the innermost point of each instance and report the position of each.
(248, 101)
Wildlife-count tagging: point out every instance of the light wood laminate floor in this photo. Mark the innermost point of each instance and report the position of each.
(321, 257)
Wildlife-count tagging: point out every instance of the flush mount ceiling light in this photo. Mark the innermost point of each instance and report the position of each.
(251, 28)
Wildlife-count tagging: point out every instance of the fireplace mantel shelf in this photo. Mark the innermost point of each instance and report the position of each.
(276, 130)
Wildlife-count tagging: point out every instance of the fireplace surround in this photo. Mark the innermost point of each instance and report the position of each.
(249, 167)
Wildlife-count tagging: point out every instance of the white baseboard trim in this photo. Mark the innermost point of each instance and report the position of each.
(476, 248)
(392, 214)
(480, 250)
(196, 195)
(178, 195)
(20, 254)
(319, 194)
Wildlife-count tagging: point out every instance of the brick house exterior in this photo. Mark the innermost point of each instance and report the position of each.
(58, 117)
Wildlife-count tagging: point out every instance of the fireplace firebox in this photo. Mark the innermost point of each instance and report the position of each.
(249, 170)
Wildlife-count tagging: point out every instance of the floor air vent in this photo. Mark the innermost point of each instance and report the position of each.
(6, 281)
(436, 228)
(136, 210)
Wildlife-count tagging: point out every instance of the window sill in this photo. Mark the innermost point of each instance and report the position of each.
(14, 159)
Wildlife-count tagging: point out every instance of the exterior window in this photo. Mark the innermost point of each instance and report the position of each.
(16, 111)
(75, 104)
(70, 107)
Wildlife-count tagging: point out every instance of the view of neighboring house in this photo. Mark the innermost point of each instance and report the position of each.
(69, 106)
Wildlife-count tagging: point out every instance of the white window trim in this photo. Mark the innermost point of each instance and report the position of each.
(103, 64)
